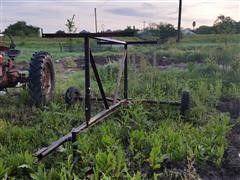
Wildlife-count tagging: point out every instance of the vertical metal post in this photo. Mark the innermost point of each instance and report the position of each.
(87, 81)
(126, 73)
(179, 21)
(74, 146)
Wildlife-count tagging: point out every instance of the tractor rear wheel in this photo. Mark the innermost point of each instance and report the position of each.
(41, 80)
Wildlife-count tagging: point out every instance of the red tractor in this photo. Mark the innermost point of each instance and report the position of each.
(41, 76)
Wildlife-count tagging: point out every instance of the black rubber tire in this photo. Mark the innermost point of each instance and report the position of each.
(72, 96)
(41, 69)
(185, 102)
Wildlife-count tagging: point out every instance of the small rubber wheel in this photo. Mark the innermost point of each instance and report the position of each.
(72, 96)
(185, 102)
(41, 80)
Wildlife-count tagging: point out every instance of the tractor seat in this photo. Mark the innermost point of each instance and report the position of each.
(12, 53)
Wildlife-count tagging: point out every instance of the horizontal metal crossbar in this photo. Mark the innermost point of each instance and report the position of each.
(142, 42)
(108, 40)
(94, 120)
(147, 101)
(127, 42)
(89, 35)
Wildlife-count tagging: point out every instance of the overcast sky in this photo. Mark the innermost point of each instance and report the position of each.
(51, 15)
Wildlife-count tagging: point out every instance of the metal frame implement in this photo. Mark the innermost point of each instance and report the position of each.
(103, 38)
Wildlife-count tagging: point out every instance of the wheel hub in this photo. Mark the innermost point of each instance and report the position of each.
(47, 81)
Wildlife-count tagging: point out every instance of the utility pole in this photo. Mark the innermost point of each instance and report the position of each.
(179, 21)
(95, 13)
(144, 25)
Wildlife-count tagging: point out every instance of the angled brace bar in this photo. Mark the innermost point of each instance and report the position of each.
(120, 73)
(94, 67)
(40, 154)
(102, 42)
(108, 40)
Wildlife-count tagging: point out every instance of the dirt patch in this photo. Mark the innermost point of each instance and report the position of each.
(68, 64)
(180, 66)
(232, 155)
(230, 168)
(230, 105)
(101, 60)
(231, 165)
(163, 63)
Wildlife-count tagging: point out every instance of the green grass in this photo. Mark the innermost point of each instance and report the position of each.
(191, 48)
(135, 142)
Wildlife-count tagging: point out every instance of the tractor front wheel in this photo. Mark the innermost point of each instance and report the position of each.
(41, 80)
(72, 96)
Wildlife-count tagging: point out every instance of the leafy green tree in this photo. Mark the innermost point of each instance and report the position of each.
(20, 28)
(71, 29)
(238, 27)
(131, 29)
(162, 30)
(166, 31)
(225, 25)
(60, 32)
(71, 25)
(205, 30)
(153, 29)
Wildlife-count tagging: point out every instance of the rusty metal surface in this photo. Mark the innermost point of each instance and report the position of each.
(9, 75)
(46, 85)
(4, 48)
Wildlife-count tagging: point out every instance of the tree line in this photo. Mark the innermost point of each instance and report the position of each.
(21, 28)
(222, 25)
